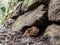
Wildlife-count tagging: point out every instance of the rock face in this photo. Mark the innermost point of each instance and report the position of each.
(26, 4)
(53, 34)
(30, 22)
(14, 9)
(54, 10)
(32, 4)
(28, 18)
(19, 8)
(13, 13)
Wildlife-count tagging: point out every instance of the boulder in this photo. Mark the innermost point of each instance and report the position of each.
(53, 34)
(15, 9)
(29, 5)
(28, 18)
(54, 11)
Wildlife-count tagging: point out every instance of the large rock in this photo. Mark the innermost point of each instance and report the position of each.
(13, 13)
(32, 4)
(18, 7)
(28, 18)
(15, 9)
(54, 10)
(26, 4)
(53, 34)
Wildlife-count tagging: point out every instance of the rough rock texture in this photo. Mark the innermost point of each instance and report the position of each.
(26, 4)
(18, 7)
(54, 10)
(53, 34)
(29, 5)
(29, 22)
(28, 18)
(17, 39)
(13, 13)
(9, 22)
(14, 9)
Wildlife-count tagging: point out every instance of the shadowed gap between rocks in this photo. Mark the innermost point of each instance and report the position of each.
(41, 24)
(31, 8)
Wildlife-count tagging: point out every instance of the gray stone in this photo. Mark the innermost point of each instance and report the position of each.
(54, 10)
(14, 10)
(26, 4)
(53, 34)
(28, 18)
(26, 40)
(32, 4)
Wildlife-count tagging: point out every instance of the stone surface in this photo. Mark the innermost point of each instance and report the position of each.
(53, 34)
(28, 23)
(14, 9)
(28, 18)
(27, 4)
(54, 10)
(9, 22)
(13, 13)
